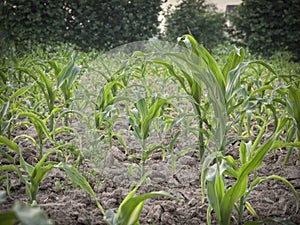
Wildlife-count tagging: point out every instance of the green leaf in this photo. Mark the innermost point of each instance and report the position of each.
(212, 192)
(30, 215)
(19, 92)
(50, 94)
(294, 97)
(8, 218)
(205, 167)
(235, 57)
(239, 188)
(129, 212)
(142, 108)
(79, 180)
(153, 112)
(4, 110)
(11, 145)
(40, 125)
(190, 42)
(243, 153)
(250, 209)
(68, 75)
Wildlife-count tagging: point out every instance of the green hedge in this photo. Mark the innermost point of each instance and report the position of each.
(199, 18)
(268, 26)
(88, 24)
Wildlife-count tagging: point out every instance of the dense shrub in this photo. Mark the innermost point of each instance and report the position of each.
(268, 26)
(97, 24)
(197, 17)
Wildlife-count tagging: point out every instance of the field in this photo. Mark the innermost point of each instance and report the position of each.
(151, 132)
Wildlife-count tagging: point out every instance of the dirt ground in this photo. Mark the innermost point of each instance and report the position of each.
(68, 205)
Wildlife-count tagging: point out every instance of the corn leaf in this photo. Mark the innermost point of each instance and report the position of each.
(30, 215)
(239, 188)
(214, 189)
(294, 97)
(243, 153)
(235, 57)
(205, 167)
(68, 75)
(250, 209)
(10, 144)
(40, 125)
(153, 112)
(75, 176)
(50, 94)
(8, 218)
(19, 92)
(190, 43)
(4, 110)
(130, 211)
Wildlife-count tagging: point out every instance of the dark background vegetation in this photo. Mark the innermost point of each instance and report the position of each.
(96, 24)
(200, 19)
(264, 26)
(267, 26)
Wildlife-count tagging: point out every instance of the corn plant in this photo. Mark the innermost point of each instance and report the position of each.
(130, 209)
(227, 96)
(9, 107)
(36, 173)
(196, 69)
(128, 212)
(22, 213)
(224, 198)
(66, 77)
(293, 100)
(105, 101)
(140, 120)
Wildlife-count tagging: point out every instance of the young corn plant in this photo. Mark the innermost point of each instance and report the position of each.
(224, 89)
(293, 105)
(9, 107)
(22, 213)
(224, 198)
(140, 120)
(66, 78)
(211, 89)
(130, 209)
(41, 129)
(128, 212)
(35, 174)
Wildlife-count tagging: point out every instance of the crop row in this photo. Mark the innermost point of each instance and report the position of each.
(159, 90)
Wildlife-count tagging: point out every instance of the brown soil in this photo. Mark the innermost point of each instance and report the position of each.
(66, 204)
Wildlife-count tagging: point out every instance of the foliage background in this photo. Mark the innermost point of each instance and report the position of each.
(97, 24)
(198, 17)
(263, 26)
(268, 26)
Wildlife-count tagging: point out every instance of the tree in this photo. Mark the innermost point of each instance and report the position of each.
(201, 19)
(267, 26)
(97, 24)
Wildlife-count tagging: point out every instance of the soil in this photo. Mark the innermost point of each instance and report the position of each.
(107, 172)
(66, 204)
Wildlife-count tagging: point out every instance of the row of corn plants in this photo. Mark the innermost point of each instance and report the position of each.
(245, 98)
(248, 99)
(243, 101)
(37, 93)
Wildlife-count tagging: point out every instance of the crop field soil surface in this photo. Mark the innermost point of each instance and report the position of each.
(120, 103)
(66, 204)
